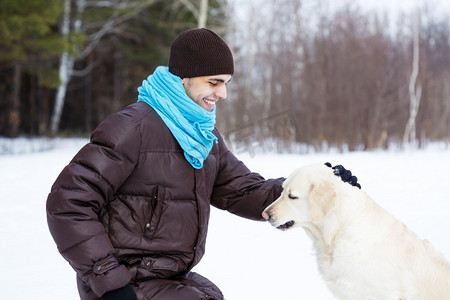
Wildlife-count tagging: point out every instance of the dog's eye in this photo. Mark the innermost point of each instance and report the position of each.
(292, 197)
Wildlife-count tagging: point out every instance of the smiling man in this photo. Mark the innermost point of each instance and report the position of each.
(207, 90)
(130, 212)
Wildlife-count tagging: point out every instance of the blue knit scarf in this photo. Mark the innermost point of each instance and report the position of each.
(190, 123)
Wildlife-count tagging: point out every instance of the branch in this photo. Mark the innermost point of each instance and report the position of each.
(109, 4)
(191, 7)
(109, 26)
(85, 71)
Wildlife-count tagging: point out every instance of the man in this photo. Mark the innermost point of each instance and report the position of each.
(130, 211)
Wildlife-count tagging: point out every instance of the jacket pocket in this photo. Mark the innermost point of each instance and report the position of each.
(130, 217)
(105, 265)
(154, 210)
(158, 267)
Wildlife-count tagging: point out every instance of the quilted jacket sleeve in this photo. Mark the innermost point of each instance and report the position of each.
(240, 191)
(80, 193)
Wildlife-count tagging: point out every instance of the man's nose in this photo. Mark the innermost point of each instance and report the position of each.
(221, 92)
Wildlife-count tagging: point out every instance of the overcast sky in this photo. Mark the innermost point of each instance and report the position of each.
(404, 5)
(392, 6)
(436, 9)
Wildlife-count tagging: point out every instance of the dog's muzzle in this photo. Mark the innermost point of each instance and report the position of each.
(268, 216)
(286, 225)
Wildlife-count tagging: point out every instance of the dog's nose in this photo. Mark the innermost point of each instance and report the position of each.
(266, 215)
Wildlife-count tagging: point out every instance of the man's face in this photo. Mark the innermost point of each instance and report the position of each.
(207, 90)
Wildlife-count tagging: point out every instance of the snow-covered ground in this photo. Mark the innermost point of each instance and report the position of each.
(246, 259)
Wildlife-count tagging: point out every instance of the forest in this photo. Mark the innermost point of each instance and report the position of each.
(306, 72)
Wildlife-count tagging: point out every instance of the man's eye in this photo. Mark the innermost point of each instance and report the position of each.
(213, 83)
(292, 197)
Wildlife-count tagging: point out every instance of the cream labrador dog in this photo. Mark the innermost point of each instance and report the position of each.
(363, 252)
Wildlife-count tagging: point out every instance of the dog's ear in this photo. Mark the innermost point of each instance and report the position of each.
(322, 198)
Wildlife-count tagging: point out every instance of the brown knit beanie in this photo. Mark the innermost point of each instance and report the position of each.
(200, 52)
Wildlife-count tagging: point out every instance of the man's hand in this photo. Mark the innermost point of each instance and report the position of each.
(346, 175)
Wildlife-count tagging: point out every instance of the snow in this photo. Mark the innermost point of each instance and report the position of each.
(246, 259)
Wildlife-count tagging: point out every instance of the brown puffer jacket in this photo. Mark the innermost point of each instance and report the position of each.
(129, 208)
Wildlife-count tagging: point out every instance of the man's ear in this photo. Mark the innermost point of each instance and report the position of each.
(321, 199)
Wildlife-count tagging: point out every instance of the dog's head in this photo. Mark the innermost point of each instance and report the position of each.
(309, 194)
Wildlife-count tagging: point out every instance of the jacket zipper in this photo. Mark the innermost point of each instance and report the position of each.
(152, 207)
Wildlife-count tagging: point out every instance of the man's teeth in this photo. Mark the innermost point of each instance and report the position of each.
(209, 101)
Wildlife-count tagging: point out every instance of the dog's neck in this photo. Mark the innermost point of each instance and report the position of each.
(330, 229)
(324, 238)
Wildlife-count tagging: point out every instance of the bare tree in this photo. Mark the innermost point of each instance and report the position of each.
(65, 65)
(415, 90)
(200, 14)
(67, 61)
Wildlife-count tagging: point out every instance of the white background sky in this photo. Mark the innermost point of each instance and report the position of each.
(392, 7)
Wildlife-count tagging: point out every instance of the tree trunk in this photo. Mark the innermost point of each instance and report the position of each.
(88, 97)
(44, 95)
(14, 113)
(117, 89)
(414, 93)
(203, 13)
(65, 65)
